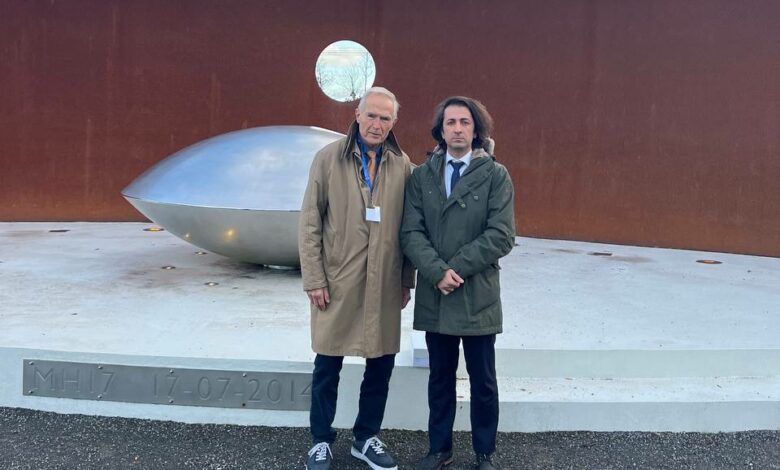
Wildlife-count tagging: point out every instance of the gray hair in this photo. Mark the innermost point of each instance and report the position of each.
(378, 90)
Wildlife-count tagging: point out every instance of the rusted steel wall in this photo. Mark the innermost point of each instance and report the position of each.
(642, 122)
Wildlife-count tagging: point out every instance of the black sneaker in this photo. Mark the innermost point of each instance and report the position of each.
(372, 451)
(320, 457)
(485, 462)
(435, 461)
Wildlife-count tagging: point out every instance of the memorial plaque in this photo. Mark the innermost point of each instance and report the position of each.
(168, 386)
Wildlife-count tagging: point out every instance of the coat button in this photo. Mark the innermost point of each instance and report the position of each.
(476, 198)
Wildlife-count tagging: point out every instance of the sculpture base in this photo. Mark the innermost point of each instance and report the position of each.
(644, 339)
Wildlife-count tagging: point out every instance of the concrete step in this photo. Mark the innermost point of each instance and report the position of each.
(621, 363)
(700, 404)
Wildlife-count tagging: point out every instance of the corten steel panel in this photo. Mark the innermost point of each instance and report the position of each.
(628, 121)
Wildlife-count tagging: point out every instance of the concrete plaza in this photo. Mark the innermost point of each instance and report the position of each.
(597, 337)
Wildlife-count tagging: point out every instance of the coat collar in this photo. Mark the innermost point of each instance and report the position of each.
(390, 144)
(470, 180)
(438, 158)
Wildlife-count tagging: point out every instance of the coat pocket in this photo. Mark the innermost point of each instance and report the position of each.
(484, 293)
(425, 295)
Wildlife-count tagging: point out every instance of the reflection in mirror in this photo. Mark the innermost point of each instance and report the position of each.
(345, 70)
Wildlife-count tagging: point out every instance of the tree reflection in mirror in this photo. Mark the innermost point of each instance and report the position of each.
(345, 70)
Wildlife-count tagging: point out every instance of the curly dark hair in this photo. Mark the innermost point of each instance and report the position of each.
(483, 121)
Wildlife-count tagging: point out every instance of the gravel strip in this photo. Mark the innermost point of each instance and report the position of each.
(38, 440)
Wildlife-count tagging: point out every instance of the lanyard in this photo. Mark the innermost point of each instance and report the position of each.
(364, 162)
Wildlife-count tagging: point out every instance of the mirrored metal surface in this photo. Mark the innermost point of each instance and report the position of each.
(237, 194)
(345, 70)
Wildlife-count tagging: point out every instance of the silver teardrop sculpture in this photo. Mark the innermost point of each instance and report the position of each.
(237, 194)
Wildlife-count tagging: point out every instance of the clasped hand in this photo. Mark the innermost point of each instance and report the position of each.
(449, 282)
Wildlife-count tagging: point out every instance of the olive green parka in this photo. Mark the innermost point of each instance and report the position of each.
(467, 232)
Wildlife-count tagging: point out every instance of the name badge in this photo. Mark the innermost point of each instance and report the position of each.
(372, 214)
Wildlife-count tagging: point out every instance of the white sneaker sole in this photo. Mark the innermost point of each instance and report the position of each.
(355, 453)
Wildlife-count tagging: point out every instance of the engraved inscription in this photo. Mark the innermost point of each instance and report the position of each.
(69, 380)
(270, 390)
(190, 387)
(44, 377)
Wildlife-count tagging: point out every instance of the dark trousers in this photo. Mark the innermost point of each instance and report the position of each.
(480, 355)
(373, 397)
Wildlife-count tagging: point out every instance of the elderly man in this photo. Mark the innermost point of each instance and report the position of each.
(354, 272)
(458, 222)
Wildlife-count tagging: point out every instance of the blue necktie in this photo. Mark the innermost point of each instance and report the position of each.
(455, 174)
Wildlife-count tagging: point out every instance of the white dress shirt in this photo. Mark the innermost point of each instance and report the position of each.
(448, 169)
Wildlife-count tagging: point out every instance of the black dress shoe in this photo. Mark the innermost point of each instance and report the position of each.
(435, 461)
(485, 462)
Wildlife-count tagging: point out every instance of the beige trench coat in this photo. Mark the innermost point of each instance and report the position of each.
(360, 262)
